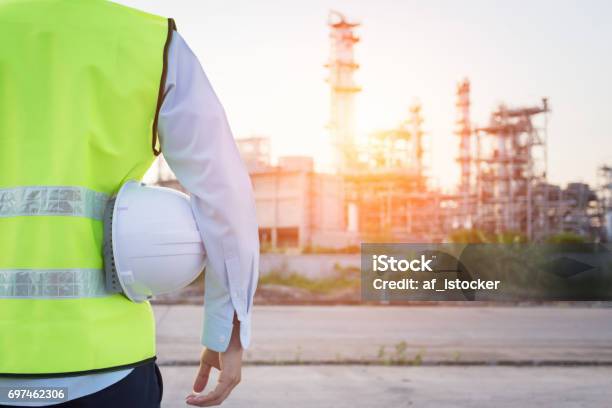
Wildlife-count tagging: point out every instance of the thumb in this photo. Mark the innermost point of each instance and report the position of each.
(202, 377)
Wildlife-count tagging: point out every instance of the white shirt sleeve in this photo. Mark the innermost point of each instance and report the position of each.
(198, 145)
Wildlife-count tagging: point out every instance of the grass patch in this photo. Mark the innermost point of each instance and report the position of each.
(322, 285)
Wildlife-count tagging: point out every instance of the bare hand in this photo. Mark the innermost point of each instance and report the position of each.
(230, 365)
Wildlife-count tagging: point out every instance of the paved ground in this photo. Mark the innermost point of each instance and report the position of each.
(426, 335)
(418, 387)
(500, 348)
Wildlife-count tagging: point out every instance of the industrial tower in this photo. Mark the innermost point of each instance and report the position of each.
(416, 122)
(342, 67)
(464, 132)
(605, 190)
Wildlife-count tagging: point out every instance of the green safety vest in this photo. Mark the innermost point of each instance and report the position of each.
(80, 93)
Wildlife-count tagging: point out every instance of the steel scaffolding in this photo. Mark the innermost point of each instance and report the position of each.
(510, 163)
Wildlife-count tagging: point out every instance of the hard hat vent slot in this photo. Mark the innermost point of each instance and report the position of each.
(110, 270)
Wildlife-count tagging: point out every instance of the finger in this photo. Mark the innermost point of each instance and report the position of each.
(212, 358)
(221, 398)
(227, 392)
(202, 377)
(214, 397)
(204, 401)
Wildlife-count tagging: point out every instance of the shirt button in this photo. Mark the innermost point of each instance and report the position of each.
(221, 338)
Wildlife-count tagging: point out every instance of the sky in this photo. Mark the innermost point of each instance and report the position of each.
(265, 60)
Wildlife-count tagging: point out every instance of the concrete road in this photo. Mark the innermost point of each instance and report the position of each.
(424, 335)
(392, 387)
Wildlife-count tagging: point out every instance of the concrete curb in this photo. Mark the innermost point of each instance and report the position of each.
(467, 363)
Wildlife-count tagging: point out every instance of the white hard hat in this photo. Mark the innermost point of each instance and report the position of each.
(152, 243)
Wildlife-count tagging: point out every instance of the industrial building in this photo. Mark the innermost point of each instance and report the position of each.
(379, 191)
(296, 206)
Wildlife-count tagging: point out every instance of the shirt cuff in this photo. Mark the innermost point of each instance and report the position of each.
(217, 332)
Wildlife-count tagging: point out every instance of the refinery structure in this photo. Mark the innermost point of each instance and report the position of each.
(379, 190)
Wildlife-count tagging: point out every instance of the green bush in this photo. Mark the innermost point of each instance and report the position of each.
(469, 236)
(476, 236)
(566, 238)
(322, 285)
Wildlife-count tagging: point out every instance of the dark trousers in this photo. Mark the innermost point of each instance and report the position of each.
(142, 388)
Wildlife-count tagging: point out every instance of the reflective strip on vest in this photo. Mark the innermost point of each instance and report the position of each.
(52, 200)
(52, 283)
